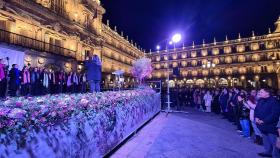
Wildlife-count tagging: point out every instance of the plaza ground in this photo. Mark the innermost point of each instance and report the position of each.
(194, 135)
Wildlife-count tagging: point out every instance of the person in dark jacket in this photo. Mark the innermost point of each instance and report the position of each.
(60, 80)
(234, 109)
(83, 82)
(14, 80)
(215, 104)
(223, 100)
(244, 115)
(267, 114)
(93, 67)
(35, 81)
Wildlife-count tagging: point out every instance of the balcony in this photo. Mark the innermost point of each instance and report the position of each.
(30, 43)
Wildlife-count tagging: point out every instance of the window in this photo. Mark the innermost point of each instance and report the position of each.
(57, 6)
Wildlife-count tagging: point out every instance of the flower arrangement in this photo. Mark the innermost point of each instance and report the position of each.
(142, 68)
(94, 121)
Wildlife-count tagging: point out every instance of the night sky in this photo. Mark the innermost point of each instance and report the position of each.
(149, 22)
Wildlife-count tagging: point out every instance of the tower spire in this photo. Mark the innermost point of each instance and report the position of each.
(193, 44)
(108, 23)
(239, 37)
(253, 35)
(215, 42)
(277, 24)
(203, 43)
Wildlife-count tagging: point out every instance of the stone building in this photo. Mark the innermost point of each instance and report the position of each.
(245, 62)
(61, 33)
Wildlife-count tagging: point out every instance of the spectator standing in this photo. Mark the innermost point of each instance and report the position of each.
(208, 101)
(267, 114)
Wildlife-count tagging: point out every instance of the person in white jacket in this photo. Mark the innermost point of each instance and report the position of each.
(208, 100)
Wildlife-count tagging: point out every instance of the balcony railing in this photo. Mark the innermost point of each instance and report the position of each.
(23, 41)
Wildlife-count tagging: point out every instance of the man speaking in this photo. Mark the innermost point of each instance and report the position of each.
(93, 67)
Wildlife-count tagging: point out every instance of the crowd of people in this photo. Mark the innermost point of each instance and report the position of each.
(35, 81)
(252, 112)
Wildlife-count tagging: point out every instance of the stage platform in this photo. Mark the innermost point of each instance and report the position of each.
(77, 125)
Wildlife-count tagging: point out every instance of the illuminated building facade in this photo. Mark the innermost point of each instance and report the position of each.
(61, 33)
(244, 62)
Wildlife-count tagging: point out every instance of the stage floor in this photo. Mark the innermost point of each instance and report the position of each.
(195, 135)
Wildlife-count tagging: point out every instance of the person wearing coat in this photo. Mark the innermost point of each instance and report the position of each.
(266, 116)
(75, 81)
(69, 82)
(93, 67)
(52, 82)
(3, 79)
(46, 81)
(25, 81)
(208, 101)
(83, 82)
(35, 81)
(14, 82)
(60, 81)
(243, 115)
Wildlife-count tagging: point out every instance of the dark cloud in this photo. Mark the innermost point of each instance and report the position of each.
(150, 21)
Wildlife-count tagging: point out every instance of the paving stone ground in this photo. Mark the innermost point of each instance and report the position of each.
(193, 135)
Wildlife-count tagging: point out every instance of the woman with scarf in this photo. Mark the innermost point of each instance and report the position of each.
(25, 81)
(45, 81)
(14, 80)
(60, 81)
(3, 80)
(83, 82)
(69, 82)
(52, 83)
(75, 82)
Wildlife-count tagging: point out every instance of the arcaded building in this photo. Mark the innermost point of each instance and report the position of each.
(245, 62)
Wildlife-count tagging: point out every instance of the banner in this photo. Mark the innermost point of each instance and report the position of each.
(16, 57)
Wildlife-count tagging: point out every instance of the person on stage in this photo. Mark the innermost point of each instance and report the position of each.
(14, 80)
(25, 82)
(35, 81)
(52, 81)
(70, 82)
(3, 80)
(93, 67)
(83, 82)
(46, 82)
(60, 80)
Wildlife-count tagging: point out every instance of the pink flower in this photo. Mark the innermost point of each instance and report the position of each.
(84, 102)
(17, 113)
(43, 120)
(53, 114)
(18, 104)
(4, 111)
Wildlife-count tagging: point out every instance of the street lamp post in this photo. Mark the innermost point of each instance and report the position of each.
(175, 39)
